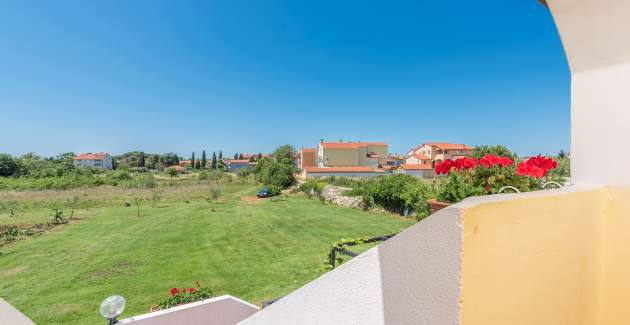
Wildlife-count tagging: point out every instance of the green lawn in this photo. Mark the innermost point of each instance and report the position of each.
(252, 250)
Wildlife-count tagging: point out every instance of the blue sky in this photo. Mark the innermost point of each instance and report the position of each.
(247, 76)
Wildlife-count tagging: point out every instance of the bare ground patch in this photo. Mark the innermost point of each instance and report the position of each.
(13, 271)
(251, 199)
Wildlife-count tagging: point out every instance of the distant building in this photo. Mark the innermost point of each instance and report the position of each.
(440, 151)
(395, 160)
(99, 160)
(236, 164)
(418, 159)
(420, 170)
(353, 159)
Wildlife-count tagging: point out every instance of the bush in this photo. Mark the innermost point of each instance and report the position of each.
(274, 190)
(313, 187)
(271, 172)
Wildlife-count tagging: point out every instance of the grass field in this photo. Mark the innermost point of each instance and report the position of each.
(252, 249)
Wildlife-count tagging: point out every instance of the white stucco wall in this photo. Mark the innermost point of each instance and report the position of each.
(595, 35)
(413, 278)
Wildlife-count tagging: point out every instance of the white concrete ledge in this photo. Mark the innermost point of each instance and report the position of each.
(10, 315)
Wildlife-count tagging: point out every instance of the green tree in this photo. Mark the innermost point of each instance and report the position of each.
(141, 162)
(8, 166)
(192, 161)
(170, 159)
(497, 150)
(172, 172)
(204, 161)
(214, 160)
(197, 165)
(154, 162)
(284, 154)
(271, 172)
(236, 156)
(562, 154)
(240, 156)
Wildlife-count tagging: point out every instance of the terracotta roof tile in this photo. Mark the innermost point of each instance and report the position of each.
(349, 169)
(416, 167)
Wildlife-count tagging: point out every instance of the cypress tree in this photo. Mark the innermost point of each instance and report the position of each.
(240, 156)
(198, 165)
(236, 156)
(192, 161)
(141, 159)
(214, 160)
(220, 154)
(203, 159)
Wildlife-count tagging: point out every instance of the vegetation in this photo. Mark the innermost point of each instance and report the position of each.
(277, 171)
(255, 250)
(185, 295)
(496, 150)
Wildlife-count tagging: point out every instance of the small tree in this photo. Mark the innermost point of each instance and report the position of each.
(214, 160)
(192, 161)
(137, 200)
(171, 171)
(240, 156)
(204, 161)
(141, 162)
(236, 156)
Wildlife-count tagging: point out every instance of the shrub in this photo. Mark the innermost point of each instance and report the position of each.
(271, 172)
(274, 190)
(471, 177)
(184, 296)
(313, 187)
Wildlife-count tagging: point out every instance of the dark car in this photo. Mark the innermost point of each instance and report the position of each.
(264, 192)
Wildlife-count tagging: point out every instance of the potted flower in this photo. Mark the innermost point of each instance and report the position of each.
(184, 296)
(466, 177)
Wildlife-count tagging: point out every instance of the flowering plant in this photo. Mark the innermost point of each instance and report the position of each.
(486, 175)
(185, 295)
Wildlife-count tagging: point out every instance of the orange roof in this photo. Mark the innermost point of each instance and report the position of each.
(448, 146)
(386, 167)
(310, 150)
(349, 145)
(91, 156)
(349, 169)
(416, 167)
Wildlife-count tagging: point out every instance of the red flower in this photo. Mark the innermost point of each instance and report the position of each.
(191, 290)
(444, 167)
(174, 291)
(536, 167)
(492, 160)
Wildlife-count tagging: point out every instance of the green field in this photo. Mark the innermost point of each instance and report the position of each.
(251, 249)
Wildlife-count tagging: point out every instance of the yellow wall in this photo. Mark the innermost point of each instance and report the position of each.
(340, 157)
(534, 261)
(615, 307)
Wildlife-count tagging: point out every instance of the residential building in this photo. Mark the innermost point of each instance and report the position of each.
(420, 170)
(418, 159)
(308, 158)
(99, 160)
(186, 163)
(440, 151)
(348, 159)
(395, 160)
(236, 164)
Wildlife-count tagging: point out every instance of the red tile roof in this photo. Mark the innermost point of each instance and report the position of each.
(449, 146)
(416, 167)
(310, 150)
(349, 145)
(349, 169)
(91, 156)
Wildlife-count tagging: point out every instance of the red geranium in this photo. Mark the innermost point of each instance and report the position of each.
(536, 167)
(191, 290)
(174, 291)
(492, 160)
(444, 167)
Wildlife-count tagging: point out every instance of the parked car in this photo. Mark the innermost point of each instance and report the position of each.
(264, 192)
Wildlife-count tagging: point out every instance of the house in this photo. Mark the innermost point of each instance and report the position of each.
(418, 159)
(348, 159)
(186, 163)
(99, 160)
(395, 160)
(420, 170)
(440, 151)
(308, 158)
(236, 164)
